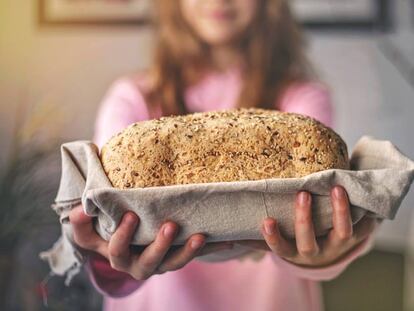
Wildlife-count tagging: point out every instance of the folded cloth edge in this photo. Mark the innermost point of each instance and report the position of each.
(65, 248)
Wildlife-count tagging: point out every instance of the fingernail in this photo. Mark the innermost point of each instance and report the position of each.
(169, 231)
(196, 244)
(303, 198)
(131, 219)
(338, 193)
(269, 228)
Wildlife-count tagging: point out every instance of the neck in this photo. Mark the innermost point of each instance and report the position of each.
(225, 57)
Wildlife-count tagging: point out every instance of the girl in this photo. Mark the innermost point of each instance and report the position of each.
(218, 54)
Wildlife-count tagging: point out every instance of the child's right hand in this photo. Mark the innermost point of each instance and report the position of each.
(153, 259)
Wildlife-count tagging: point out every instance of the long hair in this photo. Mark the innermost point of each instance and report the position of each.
(272, 52)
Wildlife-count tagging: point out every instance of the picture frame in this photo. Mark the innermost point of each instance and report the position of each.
(94, 12)
(340, 14)
(312, 14)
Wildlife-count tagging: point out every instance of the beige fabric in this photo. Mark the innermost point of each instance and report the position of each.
(379, 180)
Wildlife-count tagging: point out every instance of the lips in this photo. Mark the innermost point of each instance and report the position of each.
(220, 15)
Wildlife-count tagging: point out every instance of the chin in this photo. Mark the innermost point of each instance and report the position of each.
(218, 38)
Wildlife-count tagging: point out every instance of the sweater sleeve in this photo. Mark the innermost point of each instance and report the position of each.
(107, 281)
(122, 105)
(314, 100)
(311, 99)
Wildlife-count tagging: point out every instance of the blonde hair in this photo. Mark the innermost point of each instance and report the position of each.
(273, 55)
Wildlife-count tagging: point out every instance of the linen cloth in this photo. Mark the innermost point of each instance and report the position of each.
(379, 179)
(271, 283)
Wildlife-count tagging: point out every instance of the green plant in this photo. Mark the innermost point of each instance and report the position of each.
(28, 183)
(26, 186)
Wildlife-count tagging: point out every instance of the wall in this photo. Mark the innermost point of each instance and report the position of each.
(69, 67)
(372, 98)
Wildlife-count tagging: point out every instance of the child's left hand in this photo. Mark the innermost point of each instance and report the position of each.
(307, 250)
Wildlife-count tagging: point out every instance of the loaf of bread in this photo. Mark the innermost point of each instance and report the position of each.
(220, 146)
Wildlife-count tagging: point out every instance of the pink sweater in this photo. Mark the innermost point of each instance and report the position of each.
(269, 284)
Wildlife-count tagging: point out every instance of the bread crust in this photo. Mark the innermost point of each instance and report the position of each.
(219, 146)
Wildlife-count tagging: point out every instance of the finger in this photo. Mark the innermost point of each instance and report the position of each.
(341, 217)
(154, 253)
(118, 248)
(275, 241)
(183, 255)
(360, 232)
(304, 232)
(84, 234)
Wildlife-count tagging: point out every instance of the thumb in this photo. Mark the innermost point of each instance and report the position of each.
(83, 232)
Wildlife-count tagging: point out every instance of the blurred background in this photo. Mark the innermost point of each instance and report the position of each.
(57, 59)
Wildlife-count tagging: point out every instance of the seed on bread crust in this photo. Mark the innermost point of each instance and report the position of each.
(224, 145)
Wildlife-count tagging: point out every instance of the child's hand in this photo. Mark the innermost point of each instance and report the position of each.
(308, 250)
(153, 259)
